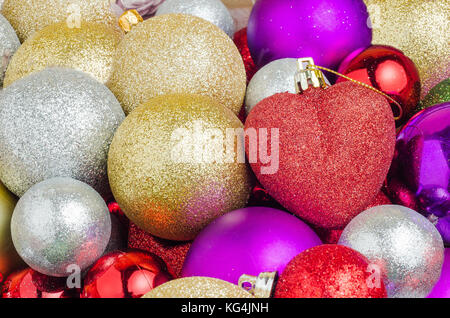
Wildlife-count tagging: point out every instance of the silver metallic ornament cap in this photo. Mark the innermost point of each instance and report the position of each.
(261, 286)
(307, 77)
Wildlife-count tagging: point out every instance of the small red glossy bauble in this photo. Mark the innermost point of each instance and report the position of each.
(388, 70)
(240, 39)
(28, 283)
(125, 275)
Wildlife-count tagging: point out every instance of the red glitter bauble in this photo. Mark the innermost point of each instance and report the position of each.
(28, 283)
(331, 236)
(240, 39)
(330, 271)
(125, 275)
(388, 70)
(171, 252)
(335, 149)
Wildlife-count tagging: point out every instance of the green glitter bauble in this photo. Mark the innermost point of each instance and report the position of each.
(437, 95)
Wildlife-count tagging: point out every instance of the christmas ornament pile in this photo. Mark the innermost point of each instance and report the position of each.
(149, 149)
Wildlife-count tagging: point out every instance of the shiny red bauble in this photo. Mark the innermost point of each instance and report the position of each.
(240, 39)
(125, 275)
(330, 271)
(28, 283)
(388, 70)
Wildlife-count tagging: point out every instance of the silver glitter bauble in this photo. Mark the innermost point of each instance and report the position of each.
(56, 123)
(405, 246)
(59, 223)
(9, 43)
(213, 11)
(276, 77)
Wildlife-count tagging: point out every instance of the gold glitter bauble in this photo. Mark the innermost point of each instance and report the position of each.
(164, 170)
(9, 259)
(178, 53)
(420, 29)
(89, 48)
(198, 287)
(28, 16)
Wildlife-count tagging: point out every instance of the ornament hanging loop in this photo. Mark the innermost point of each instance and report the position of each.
(261, 286)
(307, 76)
(129, 19)
(313, 67)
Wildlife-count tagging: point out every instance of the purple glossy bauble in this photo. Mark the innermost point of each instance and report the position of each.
(420, 173)
(442, 287)
(248, 241)
(326, 30)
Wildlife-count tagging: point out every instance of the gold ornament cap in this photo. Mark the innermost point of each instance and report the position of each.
(129, 19)
(307, 77)
(261, 286)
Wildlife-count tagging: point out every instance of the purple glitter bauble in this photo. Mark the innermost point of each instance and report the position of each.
(248, 241)
(420, 173)
(442, 287)
(326, 30)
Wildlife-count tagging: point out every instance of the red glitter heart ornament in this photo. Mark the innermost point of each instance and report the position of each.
(335, 149)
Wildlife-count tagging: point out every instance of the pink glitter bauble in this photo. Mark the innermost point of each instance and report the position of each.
(335, 149)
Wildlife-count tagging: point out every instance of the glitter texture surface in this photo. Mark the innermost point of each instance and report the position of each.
(332, 236)
(336, 146)
(28, 16)
(328, 271)
(56, 123)
(418, 28)
(165, 196)
(404, 244)
(437, 95)
(173, 253)
(213, 11)
(9, 43)
(276, 77)
(60, 222)
(89, 49)
(198, 287)
(176, 53)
